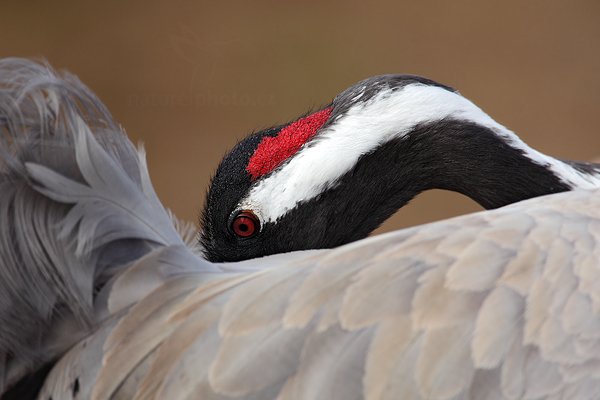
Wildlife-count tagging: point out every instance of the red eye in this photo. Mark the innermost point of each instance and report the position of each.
(245, 224)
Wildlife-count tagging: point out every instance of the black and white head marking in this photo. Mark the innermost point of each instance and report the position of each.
(387, 139)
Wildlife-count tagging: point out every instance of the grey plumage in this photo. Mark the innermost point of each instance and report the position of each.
(494, 305)
(76, 204)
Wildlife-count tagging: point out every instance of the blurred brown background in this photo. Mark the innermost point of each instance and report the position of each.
(189, 78)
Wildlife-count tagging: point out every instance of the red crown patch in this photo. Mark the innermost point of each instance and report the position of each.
(272, 151)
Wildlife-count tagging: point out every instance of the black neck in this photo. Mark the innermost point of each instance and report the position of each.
(470, 159)
(452, 155)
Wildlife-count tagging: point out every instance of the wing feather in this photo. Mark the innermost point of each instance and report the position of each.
(388, 325)
(496, 327)
(444, 368)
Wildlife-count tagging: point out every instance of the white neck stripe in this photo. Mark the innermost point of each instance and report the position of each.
(391, 114)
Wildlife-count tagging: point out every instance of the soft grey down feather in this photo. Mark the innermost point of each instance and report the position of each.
(55, 257)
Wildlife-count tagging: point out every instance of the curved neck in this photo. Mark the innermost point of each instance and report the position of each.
(474, 160)
(453, 155)
(450, 154)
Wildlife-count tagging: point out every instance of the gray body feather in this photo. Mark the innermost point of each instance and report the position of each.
(76, 204)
